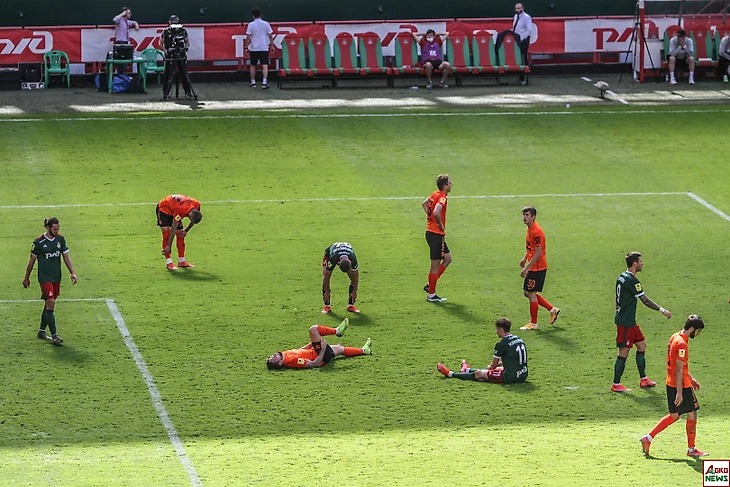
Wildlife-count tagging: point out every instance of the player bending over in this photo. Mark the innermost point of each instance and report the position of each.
(317, 352)
(508, 366)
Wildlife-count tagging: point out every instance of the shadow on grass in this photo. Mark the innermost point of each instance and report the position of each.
(462, 312)
(193, 275)
(70, 354)
(695, 463)
(356, 319)
(654, 400)
(557, 336)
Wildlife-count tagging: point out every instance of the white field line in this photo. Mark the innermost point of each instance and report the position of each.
(586, 79)
(135, 117)
(709, 206)
(329, 200)
(148, 379)
(612, 93)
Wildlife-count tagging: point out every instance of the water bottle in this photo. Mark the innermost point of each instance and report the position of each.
(414, 88)
(666, 78)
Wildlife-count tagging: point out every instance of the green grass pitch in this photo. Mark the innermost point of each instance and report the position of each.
(276, 190)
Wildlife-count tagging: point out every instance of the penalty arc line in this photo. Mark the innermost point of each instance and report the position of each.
(149, 381)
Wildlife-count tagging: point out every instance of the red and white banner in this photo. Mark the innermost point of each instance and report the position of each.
(96, 43)
(227, 42)
(21, 45)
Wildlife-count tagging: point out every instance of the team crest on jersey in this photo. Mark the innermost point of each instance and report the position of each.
(58, 244)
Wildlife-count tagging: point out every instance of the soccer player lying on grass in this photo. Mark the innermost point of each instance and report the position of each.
(317, 352)
(508, 366)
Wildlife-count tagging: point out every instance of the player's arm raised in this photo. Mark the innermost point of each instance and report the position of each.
(651, 304)
(28, 270)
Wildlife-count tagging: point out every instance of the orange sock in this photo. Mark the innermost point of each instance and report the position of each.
(543, 302)
(165, 236)
(533, 312)
(326, 330)
(662, 425)
(432, 278)
(353, 352)
(441, 270)
(180, 240)
(691, 432)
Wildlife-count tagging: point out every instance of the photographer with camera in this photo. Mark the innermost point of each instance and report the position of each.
(175, 43)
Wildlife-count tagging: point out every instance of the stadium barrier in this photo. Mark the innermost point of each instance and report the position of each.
(216, 47)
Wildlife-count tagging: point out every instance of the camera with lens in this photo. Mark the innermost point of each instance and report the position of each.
(177, 36)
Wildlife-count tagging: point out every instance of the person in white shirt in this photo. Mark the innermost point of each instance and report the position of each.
(723, 58)
(260, 42)
(522, 28)
(682, 54)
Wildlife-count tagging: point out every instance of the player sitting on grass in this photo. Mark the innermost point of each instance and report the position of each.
(318, 352)
(508, 366)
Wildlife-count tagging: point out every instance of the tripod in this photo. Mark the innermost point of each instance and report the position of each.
(177, 63)
(634, 44)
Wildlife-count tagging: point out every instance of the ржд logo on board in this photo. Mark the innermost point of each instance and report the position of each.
(715, 473)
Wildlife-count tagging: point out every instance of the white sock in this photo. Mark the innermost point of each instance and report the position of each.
(554, 309)
(648, 437)
(431, 295)
(266, 82)
(451, 374)
(168, 260)
(181, 259)
(691, 75)
(671, 76)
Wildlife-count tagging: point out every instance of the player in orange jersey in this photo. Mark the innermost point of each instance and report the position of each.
(170, 212)
(435, 208)
(317, 352)
(534, 267)
(680, 387)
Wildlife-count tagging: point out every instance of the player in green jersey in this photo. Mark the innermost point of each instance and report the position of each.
(47, 250)
(628, 333)
(508, 366)
(340, 254)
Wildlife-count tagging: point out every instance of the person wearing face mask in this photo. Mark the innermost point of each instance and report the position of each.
(522, 28)
(432, 55)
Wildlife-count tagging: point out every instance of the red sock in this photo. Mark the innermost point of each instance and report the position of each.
(691, 432)
(662, 425)
(326, 330)
(353, 352)
(533, 312)
(432, 278)
(165, 236)
(543, 302)
(441, 270)
(180, 240)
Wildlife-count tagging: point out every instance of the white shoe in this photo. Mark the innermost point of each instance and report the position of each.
(691, 81)
(673, 82)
